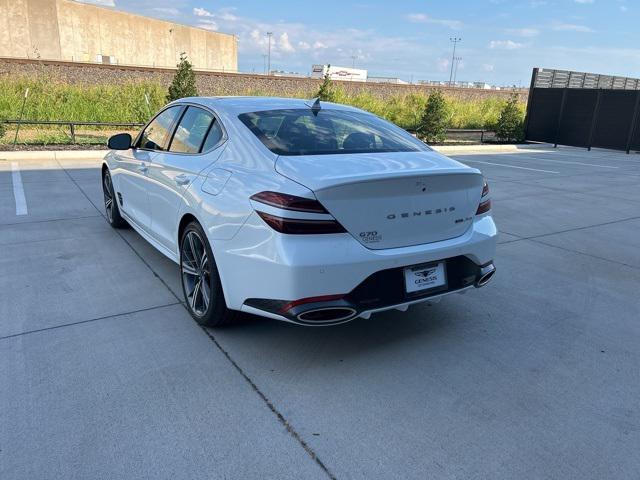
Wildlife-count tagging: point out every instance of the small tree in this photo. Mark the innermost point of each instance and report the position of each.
(435, 119)
(326, 92)
(510, 126)
(184, 83)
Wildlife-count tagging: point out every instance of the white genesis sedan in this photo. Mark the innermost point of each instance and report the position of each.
(303, 211)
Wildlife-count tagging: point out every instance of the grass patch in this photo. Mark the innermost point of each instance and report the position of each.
(51, 99)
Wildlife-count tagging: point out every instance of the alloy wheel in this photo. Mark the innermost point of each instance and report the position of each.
(108, 196)
(196, 273)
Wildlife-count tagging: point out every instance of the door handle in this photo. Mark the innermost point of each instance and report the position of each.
(143, 168)
(182, 179)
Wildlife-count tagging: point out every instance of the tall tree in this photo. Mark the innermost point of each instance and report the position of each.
(184, 82)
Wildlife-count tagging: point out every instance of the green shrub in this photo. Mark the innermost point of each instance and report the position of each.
(435, 119)
(184, 82)
(326, 92)
(509, 127)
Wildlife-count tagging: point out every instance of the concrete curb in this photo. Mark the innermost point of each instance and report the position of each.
(55, 155)
(486, 149)
(99, 154)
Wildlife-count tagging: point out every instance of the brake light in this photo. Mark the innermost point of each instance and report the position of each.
(296, 226)
(485, 188)
(289, 202)
(485, 206)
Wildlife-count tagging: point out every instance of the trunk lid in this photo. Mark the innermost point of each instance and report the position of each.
(390, 200)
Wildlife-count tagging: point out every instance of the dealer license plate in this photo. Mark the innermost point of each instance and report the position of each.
(424, 277)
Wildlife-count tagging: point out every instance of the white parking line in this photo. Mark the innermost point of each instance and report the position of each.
(18, 190)
(510, 166)
(530, 157)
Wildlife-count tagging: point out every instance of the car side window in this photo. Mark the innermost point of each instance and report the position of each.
(214, 136)
(191, 131)
(156, 135)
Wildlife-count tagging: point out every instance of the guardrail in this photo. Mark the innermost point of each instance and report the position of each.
(481, 131)
(73, 124)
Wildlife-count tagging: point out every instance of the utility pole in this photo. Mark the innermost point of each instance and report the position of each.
(264, 63)
(455, 41)
(455, 72)
(269, 34)
(353, 63)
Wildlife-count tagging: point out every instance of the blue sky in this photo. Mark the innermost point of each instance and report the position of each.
(501, 40)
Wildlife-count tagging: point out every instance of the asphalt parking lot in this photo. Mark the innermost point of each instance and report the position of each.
(103, 374)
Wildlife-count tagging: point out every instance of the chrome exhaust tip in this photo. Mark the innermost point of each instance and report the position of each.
(486, 274)
(319, 316)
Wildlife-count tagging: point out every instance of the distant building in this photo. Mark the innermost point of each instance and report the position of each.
(66, 30)
(394, 80)
(459, 84)
(339, 73)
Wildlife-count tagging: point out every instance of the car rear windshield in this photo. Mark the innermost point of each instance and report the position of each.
(304, 132)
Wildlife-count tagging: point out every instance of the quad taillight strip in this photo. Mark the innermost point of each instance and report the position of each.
(294, 225)
(485, 205)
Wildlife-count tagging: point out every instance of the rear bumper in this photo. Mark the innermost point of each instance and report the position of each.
(260, 269)
(384, 290)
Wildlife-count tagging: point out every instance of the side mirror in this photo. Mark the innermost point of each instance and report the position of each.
(121, 141)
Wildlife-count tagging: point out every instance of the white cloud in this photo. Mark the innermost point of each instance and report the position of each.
(583, 2)
(504, 45)
(488, 67)
(208, 24)
(302, 45)
(201, 12)
(570, 27)
(284, 44)
(424, 18)
(319, 45)
(442, 64)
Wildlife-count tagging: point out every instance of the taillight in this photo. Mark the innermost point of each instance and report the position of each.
(485, 188)
(296, 226)
(485, 205)
(289, 202)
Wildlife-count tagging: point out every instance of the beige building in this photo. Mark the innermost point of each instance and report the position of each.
(66, 30)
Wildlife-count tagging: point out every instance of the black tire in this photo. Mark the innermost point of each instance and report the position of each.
(200, 280)
(112, 211)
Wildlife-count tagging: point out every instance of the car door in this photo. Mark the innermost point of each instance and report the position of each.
(133, 182)
(131, 185)
(194, 146)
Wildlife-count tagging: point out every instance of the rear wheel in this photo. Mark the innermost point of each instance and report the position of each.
(110, 204)
(200, 280)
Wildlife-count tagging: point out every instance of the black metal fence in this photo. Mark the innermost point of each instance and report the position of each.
(72, 129)
(583, 110)
(76, 136)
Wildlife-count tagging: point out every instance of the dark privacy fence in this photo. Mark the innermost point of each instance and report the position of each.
(583, 110)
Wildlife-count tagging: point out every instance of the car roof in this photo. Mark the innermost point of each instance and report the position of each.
(239, 105)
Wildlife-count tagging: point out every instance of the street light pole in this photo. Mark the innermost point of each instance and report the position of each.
(455, 41)
(264, 63)
(455, 73)
(269, 34)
